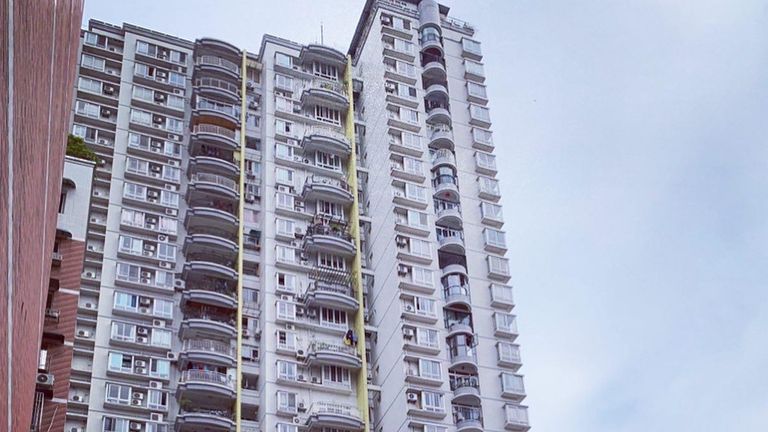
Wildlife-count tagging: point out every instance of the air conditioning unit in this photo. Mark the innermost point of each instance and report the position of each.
(109, 90)
(370, 376)
(78, 398)
(90, 305)
(134, 426)
(138, 396)
(299, 310)
(106, 112)
(90, 275)
(155, 384)
(290, 327)
(142, 331)
(398, 194)
(146, 274)
(166, 265)
(179, 283)
(44, 380)
(301, 378)
(152, 200)
(312, 313)
(412, 397)
(174, 137)
(136, 402)
(145, 301)
(171, 356)
(149, 247)
(161, 74)
(315, 380)
(159, 97)
(171, 212)
(146, 311)
(156, 417)
(408, 333)
(146, 281)
(402, 270)
(250, 84)
(300, 355)
(158, 323)
(250, 198)
(140, 363)
(409, 308)
(299, 231)
(76, 429)
(102, 141)
(296, 420)
(84, 333)
(302, 407)
(253, 105)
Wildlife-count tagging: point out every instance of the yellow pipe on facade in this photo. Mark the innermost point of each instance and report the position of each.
(357, 272)
(240, 241)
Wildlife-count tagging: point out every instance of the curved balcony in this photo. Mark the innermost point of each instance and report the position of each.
(206, 382)
(200, 323)
(216, 135)
(214, 164)
(210, 240)
(462, 356)
(326, 139)
(455, 268)
(203, 216)
(327, 189)
(215, 64)
(323, 415)
(204, 419)
(448, 214)
(328, 238)
(337, 296)
(434, 70)
(466, 389)
(468, 418)
(437, 91)
(463, 327)
(323, 54)
(218, 88)
(328, 93)
(208, 351)
(451, 241)
(210, 295)
(443, 157)
(441, 137)
(457, 295)
(431, 44)
(220, 113)
(446, 187)
(324, 353)
(439, 115)
(207, 266)
(216, 45)
(213, 184)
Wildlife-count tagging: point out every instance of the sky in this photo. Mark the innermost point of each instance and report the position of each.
(634, 140)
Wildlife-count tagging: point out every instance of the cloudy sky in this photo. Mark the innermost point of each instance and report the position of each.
(635, 134)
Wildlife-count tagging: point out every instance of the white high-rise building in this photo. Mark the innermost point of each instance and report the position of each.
(295, 239)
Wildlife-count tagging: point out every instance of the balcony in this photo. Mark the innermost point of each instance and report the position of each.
(433, 69)
(468, 418)
(216, 112)
(457, 294)
(212, 351)
(329, 238)
(326, 139)
(501, 297)
(399, 119)
(210, 265)
(216, 135)
(438, 115)
(327, 415)
(323, 54)
(482, 139)
(436, 91)
(207, 213)
(199, 322)
(512, 387)
(328, 294)
(463, 357)
(213, 184)
(516, 418)
(442, 157)
(466, 389)
(210, 294)
(203, 240)
(448, 214)
(505, 325)
(324, 353)
(450, 240)
(446, 186)
(216, 45)
(207, 382)
(326, 93)
(196, 419)
(219, 65)
(220, 165)
(218, 89)
(327, 189)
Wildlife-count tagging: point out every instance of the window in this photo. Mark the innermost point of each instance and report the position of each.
(328, 115)
(157, 400)
(283, 151)
(422, 276)
(431, 401)
(326, 208)
(286, 310)
(126, 302)
(137, 166)
(491, 211)
(480, 113)
(430, 34)
(283, 82)
(174, 101)
(418, 219)
(333, 318)
(286, 401)
(420, 248)
(403, 46)
(285, 427)
(489, 186)
(326, 71)
(144, 70)
(505, 322)
(123, 331)
(476, 90)
(177, 79)
(284, 176)
(112, 424)
(328, 161)
(141, 117)
(174, 125)
(127, 272)
(143, 93)
(285, 201)
(163, 308)
(482, 136)
(335, 375)
(130, 245)
(87, 109)
(425, 306)
(283, 127)
(169, 199)
(502, 293)
(161, 338)
(93, 39)
(498, 265)
(426, 337)
(171, 174)
(416, 192)
(89, 84)
(93, 62)
(159, 368)
(508, 352)
(486, 160)
(430, 369)
(474, 68)
(401, 24)
(284, 60)
(62, 202)
(286, 370)
(411, 140)
(286, 340)
(495, 238)
(332, 261)
(471, 46)
(285, 254)
(512, 383)
(285, 227)
(145, 48)
(119, 362)
(286, 281)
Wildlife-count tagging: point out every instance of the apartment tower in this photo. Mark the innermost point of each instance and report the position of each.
(295, 239)
(38, 48)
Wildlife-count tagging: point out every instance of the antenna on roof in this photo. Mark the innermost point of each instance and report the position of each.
(321, 33)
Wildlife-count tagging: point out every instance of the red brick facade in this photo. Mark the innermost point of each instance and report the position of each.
(41, 39)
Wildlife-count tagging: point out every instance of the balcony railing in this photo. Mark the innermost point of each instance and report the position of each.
(459, 381)
(334, 408)
(217, 61)
(343, 289)
(216, 179)
(216, 130)
(325, 85)
(217, 83)
(326, 131)
(316, 180)
(224, 413)
(209, 345)
(210, 316)
(328, 230)
(326, 346)
(202, 375)
(466, 413)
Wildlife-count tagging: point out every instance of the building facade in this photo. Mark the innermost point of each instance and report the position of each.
(38, 48)
(250, 266)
